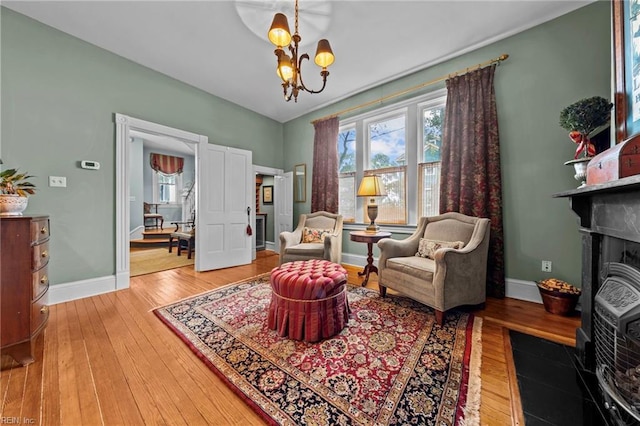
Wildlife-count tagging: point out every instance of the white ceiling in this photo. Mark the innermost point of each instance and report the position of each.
(207, 45)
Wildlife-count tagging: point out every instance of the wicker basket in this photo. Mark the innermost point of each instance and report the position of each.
(559, 303)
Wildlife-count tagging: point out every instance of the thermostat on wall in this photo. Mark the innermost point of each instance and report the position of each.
(94, 165)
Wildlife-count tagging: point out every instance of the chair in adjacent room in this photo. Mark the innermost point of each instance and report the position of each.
(150, 215)
(184, 235)
(317, 236)
(443, 264)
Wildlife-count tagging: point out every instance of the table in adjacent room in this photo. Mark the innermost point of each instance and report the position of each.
(369, 238)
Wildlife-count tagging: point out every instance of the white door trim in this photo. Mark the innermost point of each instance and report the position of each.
(124, 124)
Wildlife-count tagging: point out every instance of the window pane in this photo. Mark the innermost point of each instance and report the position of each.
(346, 170)
(392, 209)
(429, 189)
(167, 188)
(387, 143)
(347, 188)
(432, 133)
(347, 150)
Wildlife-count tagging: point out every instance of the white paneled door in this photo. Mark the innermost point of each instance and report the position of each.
(221, 223)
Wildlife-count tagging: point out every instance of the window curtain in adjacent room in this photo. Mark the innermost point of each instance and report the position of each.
(167, 164)
(471, 181)
(324, 183)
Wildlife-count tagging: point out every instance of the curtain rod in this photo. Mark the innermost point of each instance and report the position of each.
(499, 59)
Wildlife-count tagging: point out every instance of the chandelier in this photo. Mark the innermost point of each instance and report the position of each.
(290, 66)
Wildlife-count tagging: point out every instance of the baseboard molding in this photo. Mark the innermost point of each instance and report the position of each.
(136, 234)
(67, 292)
(522, 290)
(270, 245)
(60, 293)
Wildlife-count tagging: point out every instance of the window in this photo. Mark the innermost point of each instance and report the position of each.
(401, 143)
(166, 188)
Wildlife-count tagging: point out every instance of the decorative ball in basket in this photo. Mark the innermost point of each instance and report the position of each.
(558, 297)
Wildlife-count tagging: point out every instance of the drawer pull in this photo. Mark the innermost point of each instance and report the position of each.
(44, 310)
(45, 254)
(44, 279)
(43, 230)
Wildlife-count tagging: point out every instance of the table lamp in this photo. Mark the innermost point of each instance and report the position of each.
(372, 186)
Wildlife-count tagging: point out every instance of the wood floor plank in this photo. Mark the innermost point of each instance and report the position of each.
(111, 352)
(134, 365)
(50, 409)
(515, 402)
(70, 412)
(106, 372)
(154, 363)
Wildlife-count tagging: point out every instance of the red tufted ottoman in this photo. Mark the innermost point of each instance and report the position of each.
(309, 300)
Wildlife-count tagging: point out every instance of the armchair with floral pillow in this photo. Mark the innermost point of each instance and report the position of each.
(317, 236)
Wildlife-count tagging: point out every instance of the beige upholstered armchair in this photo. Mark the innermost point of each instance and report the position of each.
(318, 236)
(451, 269)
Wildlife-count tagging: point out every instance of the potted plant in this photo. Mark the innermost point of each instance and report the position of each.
(14, 191)
(581, 119)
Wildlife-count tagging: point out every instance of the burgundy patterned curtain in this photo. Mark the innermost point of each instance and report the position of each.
(324, 183)
(471, 182)
(167, 164)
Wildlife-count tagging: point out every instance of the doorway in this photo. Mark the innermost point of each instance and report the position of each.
(126, 127)
(280, 212)
(223, 196)
(170, 196)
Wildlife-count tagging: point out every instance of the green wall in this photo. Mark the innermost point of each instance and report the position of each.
(59, 96)
(549, 67)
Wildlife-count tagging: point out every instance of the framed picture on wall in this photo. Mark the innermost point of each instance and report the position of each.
(626, 49)
(267, 194)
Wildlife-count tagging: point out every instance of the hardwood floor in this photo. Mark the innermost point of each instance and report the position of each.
(107, 360)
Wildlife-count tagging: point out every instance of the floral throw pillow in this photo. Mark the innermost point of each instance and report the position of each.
(427, 248)
(311, 235)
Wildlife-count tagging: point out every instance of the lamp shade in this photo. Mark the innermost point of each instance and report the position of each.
(324, 54)
(279, 33)
(371, 186)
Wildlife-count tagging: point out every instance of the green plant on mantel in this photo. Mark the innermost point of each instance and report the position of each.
(582, 118)
(14, 183)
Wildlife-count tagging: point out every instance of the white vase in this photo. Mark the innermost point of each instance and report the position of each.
(12, 204)
(580, 168)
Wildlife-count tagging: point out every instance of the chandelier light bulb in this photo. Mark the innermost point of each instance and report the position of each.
(285, 70)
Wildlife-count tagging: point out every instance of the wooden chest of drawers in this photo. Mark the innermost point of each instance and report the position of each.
(24, 255)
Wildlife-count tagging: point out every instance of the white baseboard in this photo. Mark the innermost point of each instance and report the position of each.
(136, 234)
(270, 245)
(67, 292)
(60, 293)
(522, 290)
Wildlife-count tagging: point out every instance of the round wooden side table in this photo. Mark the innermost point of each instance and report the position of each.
(369, 238)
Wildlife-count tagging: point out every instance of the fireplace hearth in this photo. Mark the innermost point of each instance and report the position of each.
(608, 340)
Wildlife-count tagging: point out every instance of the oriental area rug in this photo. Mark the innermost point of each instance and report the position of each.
(391, 365)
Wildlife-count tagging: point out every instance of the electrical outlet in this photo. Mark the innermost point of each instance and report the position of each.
(546, 265)
(59, 181)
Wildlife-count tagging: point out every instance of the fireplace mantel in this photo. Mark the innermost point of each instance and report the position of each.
(610, 209)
